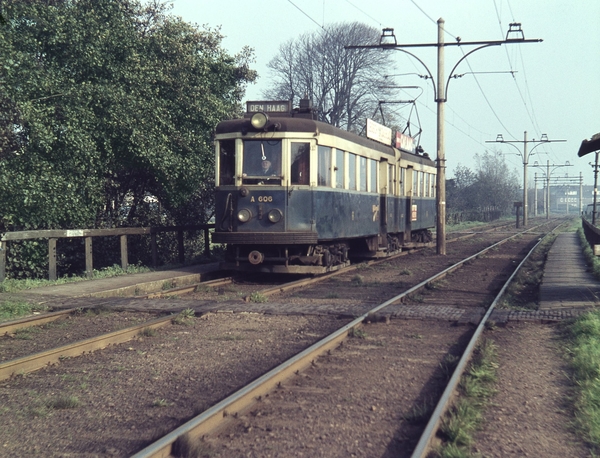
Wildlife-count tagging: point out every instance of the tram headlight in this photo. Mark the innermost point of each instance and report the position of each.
(275, 215)
(244, 215)
(259, 120)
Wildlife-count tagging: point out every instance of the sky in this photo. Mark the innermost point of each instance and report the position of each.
(554, 87)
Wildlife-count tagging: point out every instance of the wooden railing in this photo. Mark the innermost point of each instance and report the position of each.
(592, 235)
(88, 234)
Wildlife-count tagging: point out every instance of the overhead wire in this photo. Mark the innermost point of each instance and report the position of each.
(306, 14)
(529, 107)
(363, 12)
(447, 32)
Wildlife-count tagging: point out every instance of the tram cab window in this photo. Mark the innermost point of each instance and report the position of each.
(300, 159)
(324, 172)
(226, 162)
(262, 162)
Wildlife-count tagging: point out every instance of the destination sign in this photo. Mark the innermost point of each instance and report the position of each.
(405, 143)
(379, 132)
(269, 107)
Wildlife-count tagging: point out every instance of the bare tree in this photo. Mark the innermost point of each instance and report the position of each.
(344, 85)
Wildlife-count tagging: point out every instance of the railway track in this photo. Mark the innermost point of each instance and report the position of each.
(214, 419)
(303, 361)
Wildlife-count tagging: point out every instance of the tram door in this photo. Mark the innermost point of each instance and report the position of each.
(410, 188)
(384, 190)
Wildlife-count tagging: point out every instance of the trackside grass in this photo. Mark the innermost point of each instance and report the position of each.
(12, 309)
(583, 353)
(11, 285)
(464, 417)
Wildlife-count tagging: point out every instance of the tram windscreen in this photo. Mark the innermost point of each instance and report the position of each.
(262, 162)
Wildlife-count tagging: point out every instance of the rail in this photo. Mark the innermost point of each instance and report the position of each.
(123, 232)
(214, 417)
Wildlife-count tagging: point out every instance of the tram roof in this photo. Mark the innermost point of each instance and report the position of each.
(307, 125)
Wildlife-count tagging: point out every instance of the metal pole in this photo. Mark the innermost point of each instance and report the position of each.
(441, 154)
(525, 160)
(548, 189)
(580, 193)
(535, 194)
(595, 188)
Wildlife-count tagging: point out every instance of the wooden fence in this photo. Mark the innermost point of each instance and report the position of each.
(88, 234)
(592, 235)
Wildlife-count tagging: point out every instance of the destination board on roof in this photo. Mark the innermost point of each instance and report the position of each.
(379, 132)
(405, 143)
(269, 107)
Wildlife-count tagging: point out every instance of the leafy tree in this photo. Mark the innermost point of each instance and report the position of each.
(344, 85)
(491, 185)
(106, 106)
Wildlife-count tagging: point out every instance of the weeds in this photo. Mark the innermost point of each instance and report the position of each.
(168, 285)
(418, 298)
(358, 280)
(185, 317)
(258, 297)
(464, 417)
(357, 333)
(26, 333)
(12, 285)
(160, 403)
(148, 332)
(64, 402)
(583, 353)
(420, 413)
(11, 309)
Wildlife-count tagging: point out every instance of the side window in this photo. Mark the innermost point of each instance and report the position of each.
(373, 180)
(339, 169)
(363, 173)
(324, 169)
(415, 185)
(433, 185)
(402, 190)
(351, 171)
(391, 179)
(226, 162)
(300, 163)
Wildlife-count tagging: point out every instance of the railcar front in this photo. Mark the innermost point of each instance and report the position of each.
(264, 199)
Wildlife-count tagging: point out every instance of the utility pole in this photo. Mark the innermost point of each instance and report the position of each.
(547, 174)
(535, 195)
(525, 156)
(595, 188)
(388, 41)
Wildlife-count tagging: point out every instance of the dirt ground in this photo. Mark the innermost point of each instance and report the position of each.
(362, 400)
(365, 399)
(530, 413)
(113, 402)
